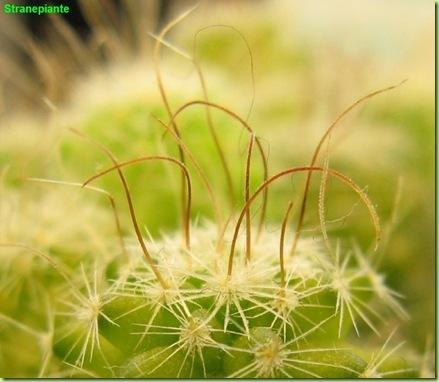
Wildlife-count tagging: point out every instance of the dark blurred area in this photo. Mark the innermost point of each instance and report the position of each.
(41, 54)
(76, 19)
(40, 51)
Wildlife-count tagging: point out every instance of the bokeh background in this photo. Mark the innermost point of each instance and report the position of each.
(93, 70)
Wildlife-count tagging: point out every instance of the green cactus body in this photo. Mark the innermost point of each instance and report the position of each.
(214, 298)
(210, 324)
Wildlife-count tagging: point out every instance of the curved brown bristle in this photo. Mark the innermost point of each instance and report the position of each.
(249, 129)
(186, 213)
(159, 40)
(250, 54)
(317, 151)
(321, 208)
(248, 238)
(215, 138)
(206, 98)
(156, 60)
(282, 244)
(267, 183)
(132, 212)
(216, 209)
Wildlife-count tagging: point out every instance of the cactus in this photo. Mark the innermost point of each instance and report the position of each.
(218, 297)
